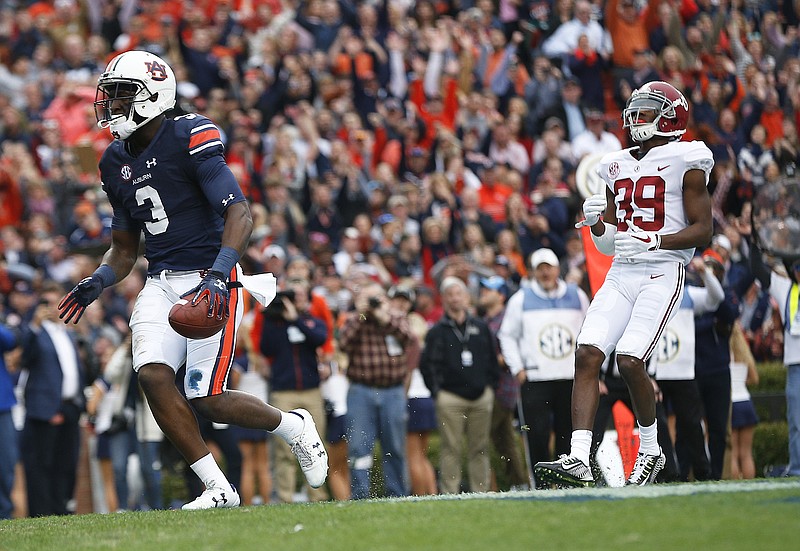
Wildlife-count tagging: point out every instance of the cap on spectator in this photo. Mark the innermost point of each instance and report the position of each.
(392, 104)
(595, 115)
(274, 251)
(385, 218)
(713, 256)
(22, 286)
(722, 241)
(351, 233)
(553, 122)
(374, 185)
(544, 256)
(386, 251)
(397, 291)
(397, 200)
(495, 283)
(571, 81)
(501, 260)
(481, 163)
(424, 290)
(450, 281)
(318, 238)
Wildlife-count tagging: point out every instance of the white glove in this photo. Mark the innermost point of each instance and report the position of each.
(593, 208)
(635, 241)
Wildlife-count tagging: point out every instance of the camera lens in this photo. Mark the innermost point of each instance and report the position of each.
(374, 302)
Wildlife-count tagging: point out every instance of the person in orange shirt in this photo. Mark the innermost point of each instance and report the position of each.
(629, 28)
(493, 193)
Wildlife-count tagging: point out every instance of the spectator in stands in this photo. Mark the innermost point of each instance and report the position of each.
(595, 139)
(9, 452)
(459, 365)
(492, 296)
(543, 366)
(743, 414)
(289, 339)
(566, 37)
(712, 367)
(675, 370)
(782, 286)
(378, 342)
(53, 404)
(421, 406)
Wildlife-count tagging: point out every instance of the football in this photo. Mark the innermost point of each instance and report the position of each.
(192, 321)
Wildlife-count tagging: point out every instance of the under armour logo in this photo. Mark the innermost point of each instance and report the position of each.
(151, 163)
(228, 200)
(221, 501)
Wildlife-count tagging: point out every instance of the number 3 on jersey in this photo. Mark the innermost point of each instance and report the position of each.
(645, 196)
(159, 222)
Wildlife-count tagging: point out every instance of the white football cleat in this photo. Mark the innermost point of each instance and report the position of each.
(310, 451)
(213, 498)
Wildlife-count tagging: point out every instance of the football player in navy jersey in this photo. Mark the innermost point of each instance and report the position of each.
(654, 212)
(168, 178)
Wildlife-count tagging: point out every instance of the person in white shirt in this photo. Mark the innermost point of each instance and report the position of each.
(595, 139)
(565, 39)
(656, 210)
(537, 341)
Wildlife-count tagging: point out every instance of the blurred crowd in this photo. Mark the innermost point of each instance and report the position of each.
(387, 142)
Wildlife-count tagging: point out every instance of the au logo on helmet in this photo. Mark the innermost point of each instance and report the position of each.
(158, 72)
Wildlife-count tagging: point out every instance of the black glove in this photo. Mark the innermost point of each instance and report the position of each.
(214, 287)
(82, 295)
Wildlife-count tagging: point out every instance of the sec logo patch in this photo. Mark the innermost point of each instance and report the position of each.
(126, 172)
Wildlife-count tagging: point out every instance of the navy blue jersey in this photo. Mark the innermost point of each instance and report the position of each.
(176, 191)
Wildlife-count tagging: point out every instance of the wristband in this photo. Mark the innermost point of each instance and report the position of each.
(605, 242)
(226, 260)
(106, 275)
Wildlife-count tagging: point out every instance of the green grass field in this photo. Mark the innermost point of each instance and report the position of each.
(754, 515)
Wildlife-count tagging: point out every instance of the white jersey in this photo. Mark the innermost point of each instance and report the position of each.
(649, 192)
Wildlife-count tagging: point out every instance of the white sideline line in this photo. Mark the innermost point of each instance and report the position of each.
(628, 492)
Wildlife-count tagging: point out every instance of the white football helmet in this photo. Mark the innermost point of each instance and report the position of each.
(135, 88)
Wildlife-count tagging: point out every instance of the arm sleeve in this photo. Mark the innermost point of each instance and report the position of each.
(316, 331)
(510, 334)
(218, 183)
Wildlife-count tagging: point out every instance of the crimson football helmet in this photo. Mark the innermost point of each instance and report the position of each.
(135, 88)
(669, 105)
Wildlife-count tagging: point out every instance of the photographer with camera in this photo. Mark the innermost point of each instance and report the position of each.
(378, 342)
(289, 339)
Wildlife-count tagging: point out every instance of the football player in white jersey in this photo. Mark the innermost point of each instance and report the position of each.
(655, 211)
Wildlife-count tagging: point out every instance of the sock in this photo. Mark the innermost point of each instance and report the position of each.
(209, 473)
(290, 427)
(648, 439)
(581, 444)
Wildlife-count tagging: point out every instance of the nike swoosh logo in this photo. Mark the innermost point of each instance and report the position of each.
(662, 167)
(642, 239)
(656, 276)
